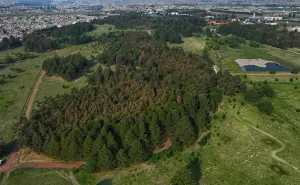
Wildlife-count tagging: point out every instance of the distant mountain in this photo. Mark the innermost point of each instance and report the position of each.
(160, 1)
(34, 2)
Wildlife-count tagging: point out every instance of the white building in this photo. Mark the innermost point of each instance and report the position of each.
(273, 18)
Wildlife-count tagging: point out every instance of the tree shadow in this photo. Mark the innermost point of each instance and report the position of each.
(10, 148)
(195, 167)
(105, 182)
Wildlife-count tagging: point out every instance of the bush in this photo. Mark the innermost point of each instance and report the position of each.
(266, 107)
(268, 91)
(272, 72)
(252, 95)
(295, 71)
(254, 44)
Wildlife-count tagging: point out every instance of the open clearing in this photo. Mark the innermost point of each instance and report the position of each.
(35, 177)
(191, 44)
(225, 57)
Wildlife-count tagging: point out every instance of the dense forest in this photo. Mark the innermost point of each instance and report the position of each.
(68, 67)
(168, 28)
(9, 43)
(272, 35)
(51, 38)
(146, 93)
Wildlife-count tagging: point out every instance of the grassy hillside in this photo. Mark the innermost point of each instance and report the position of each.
(226, 56)
(240, 147)
(35, 177)
(191, 44)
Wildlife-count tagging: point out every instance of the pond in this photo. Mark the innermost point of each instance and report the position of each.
(261, 65)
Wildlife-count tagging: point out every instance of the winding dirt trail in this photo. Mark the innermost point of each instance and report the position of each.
(33, 95)
(273, 152)
(14, 163)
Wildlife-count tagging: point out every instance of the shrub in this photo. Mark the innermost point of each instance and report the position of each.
(266, 107)
(272, 72)
(254, 44)
(291, 80)
(252, 95)
(268, 91)
(295, 71)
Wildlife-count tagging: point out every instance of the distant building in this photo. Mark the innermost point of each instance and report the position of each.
(209, 17)
(273, 18)
(215, 23)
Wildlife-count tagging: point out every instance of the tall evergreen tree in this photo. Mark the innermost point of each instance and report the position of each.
(106, 159)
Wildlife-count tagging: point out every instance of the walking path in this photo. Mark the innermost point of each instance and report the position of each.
(273, 152)
(33, 95)
(13, 162)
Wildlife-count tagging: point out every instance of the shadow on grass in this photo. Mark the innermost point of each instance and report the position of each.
(105, 182)
(195, 167)
(10, 148)
(279, 170)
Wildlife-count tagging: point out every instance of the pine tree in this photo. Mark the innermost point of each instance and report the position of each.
(52, 146)
(122, 158)
(113, 145)
(155, 131)
(87, 145)
(137, 152)
(106, 160)
(185, 131)
(92, 162)
(97, 145)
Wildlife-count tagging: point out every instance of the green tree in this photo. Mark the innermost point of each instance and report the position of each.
(137, 152)
(92, 163)
(122, 158)
(8, 59)
(268, 91)
(106, 159)
(184, 176)
(185, 131)
(266, 107)
(87, 145)
(52, 146)
(155, 131)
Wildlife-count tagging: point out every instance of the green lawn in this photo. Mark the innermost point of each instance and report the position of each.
(225, 57)
(35, 177)
(14, 92)
(191, 44)
(11, 52)
(100, 29)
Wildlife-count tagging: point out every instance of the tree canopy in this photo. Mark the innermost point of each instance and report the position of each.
(145, 92)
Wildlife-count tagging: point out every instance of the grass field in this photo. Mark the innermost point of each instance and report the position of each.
(191, 44)
(35, 177)
(225, 57)
(13, 93)
(100, 29)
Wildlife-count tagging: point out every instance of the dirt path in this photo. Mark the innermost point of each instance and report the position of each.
(273, 152)
(166, 146)
(69, 177)
(33, 95)
(13, 162)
